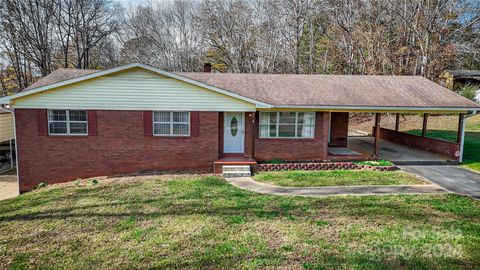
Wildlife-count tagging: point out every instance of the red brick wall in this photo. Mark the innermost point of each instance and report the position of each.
(249, 129)
(119, 147)
(449, 149)
(295, 149)
(221, 125)
(339, 129)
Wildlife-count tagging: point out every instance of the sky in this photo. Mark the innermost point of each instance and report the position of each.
(132, 2)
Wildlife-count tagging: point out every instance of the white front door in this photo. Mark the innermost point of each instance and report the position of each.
(233, 132)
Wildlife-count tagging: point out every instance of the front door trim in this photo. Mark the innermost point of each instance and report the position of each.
(241, 131)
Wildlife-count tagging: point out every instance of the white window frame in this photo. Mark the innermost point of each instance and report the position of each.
(171, 124)
(277, 123)
(68, 121)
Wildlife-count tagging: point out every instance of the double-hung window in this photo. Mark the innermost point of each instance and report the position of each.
(287, 124)
(67, 122)
(171, 123)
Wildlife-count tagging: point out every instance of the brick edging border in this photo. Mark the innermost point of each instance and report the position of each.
(321, 166)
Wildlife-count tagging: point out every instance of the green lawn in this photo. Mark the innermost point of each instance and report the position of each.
(471, 158)
(203, 222)
(337, 178)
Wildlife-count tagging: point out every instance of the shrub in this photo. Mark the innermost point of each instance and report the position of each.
(41, 185)
(379, 162)
(275, 161)
(469, 91)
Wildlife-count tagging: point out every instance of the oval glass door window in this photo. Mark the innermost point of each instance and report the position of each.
(234, 126)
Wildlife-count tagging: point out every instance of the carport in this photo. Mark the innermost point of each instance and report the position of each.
(395, 152)
(393, 144)
(8, 176)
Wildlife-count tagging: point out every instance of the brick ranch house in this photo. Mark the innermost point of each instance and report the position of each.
(84, 123)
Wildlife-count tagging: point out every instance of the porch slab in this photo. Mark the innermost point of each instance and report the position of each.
(394, 152)
(342, 151)
(8, 186)
(232, 160)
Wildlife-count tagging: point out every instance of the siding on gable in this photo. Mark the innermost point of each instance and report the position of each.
(134, 89)
(6, 127)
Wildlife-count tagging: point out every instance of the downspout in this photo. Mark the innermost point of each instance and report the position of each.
(462, 138)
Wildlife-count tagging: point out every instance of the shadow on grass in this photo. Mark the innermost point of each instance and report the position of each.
(208, 197)
(213, 198)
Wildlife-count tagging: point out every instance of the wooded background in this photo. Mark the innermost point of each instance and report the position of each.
(398, 37)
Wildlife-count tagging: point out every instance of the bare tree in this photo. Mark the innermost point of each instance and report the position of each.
(164, 35)
(259, 36)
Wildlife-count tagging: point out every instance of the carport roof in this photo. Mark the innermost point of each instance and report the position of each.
(293, 90)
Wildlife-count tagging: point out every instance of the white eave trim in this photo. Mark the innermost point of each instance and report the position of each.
(378, 108)
(6, 100)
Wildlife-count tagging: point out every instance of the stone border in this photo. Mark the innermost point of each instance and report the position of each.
(311, 166)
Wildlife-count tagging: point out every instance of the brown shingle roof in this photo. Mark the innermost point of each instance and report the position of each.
(59, 75)
(315, 90)
(336, 90)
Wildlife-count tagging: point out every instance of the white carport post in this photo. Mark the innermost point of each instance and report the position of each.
(462, 137)
(11, 154)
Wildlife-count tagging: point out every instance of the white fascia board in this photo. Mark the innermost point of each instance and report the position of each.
(6, 100)
(378, 108)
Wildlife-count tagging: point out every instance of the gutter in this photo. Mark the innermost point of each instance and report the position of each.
(377, 108)
(462, 138)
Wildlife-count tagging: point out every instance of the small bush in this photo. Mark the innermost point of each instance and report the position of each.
(275, 161)
(379, 163)
(41, 185)
(94, 181)
(469, 91)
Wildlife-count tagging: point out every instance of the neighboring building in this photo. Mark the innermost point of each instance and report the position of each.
(6, 140)
(84, 123)
(455, 79)
(6, 126)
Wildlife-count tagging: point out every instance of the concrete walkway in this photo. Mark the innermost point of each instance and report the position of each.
(452, 178)
(248, 183)
(8, 186)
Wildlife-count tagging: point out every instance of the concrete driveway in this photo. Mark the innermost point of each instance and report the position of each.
(8, 186)
(452, 178)
(432, 166)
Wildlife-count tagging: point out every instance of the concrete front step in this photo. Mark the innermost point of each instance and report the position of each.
(236, 168)
(229, 171)
(236, 174)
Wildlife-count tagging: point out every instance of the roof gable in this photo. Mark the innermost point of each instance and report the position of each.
(92, 75)
(135, 89)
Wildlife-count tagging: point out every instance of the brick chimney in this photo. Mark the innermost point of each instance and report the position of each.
(207, 67)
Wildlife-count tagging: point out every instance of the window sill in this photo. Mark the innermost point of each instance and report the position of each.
(171, 137)
(68, 136)
(287, 139)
